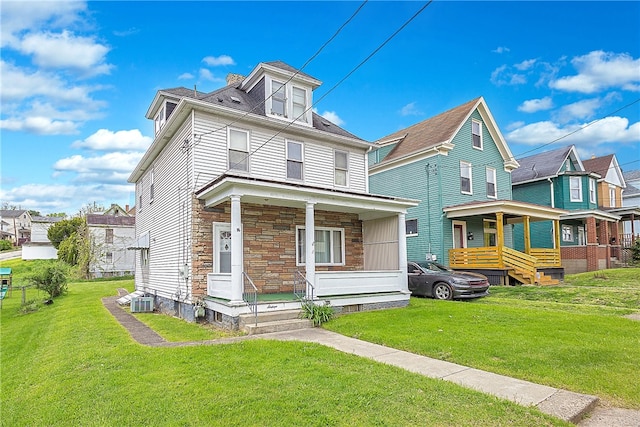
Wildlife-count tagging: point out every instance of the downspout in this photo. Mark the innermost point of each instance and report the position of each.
(553, 202)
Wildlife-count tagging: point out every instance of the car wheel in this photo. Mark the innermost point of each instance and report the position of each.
(442, 291)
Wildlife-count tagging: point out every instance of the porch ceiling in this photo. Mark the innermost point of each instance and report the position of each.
(514, 211)
(596, 213)
(274, 193)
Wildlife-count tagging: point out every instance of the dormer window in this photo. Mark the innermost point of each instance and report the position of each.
(299, 103)
(278, 98)
(163, 115)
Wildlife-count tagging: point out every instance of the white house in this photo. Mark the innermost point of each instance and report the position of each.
(111, 237)
(245, 191)
(40, 247)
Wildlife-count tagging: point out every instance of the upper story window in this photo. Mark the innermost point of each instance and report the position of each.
(294, 160)
(299, 103)
(278, 98)
(151, 187)
(341, 168)
(238, 144)
(108, 235)
(411, 227)
(575, 188)
(491, 183)
(612, 197)
(140, 190)
(476, 134)
(163, 115)
(465, 178)
(592, 190)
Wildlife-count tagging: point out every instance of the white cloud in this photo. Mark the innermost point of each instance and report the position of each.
(216, 61)
(66, 51)
(205, 74)
(185, 76)
(332, 116)
(610, 130)
(117, 161)
(107, 140)
(525, 65)
(581, 110)
(599, 70)
(501, 49)
(40, 125)
(533, 105)
(503, 75)
(410, 110)
(21, 17)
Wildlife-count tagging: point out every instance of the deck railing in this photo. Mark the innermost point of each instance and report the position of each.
(503, 257)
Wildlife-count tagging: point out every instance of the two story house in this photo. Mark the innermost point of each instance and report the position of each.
(631, 199)
(459, 165)
(248, 200)
(18, 224)
(558, 178)
(112, 233)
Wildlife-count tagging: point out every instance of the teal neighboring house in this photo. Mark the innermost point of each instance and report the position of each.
(558, 178)
(459, 166)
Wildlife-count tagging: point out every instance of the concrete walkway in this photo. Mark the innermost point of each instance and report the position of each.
(566, 405)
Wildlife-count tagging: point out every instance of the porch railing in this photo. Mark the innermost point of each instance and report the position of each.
(300, 286)
(522, 263)
(546, 257)
(503, 257)
(486, 257)
(250, 295)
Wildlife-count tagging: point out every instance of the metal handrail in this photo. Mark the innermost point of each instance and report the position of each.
(250, 296)
(300, 283)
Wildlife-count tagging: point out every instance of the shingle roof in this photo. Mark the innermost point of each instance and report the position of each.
(428, 133)
(50, 219)
(631, 175)
(599, 165)
(540, 166)
(11, 213)
(100, 219)
(287, 67)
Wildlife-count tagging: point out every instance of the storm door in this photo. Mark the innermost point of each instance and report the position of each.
(222, 247)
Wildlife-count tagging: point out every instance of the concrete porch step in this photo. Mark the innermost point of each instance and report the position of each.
(277, 326)
(269, 316)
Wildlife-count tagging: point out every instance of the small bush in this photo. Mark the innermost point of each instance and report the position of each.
(52, 279)
(318, 314)
(635, 252)
(29, 307)
(5, 245)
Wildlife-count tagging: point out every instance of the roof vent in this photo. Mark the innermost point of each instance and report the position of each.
(326, 123)
(235, 99)
(220, 99)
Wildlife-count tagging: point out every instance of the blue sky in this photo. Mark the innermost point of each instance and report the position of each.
(76, 78)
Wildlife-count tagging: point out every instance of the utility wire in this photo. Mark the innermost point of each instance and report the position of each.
(298, 71)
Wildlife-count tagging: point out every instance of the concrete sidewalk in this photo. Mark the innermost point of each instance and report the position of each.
(566, 405)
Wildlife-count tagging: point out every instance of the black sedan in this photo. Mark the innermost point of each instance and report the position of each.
(430, 279)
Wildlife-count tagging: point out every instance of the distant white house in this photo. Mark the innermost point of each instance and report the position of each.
(111, 234)
(40, 247)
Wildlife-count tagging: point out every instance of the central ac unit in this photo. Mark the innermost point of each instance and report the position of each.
(141, 304)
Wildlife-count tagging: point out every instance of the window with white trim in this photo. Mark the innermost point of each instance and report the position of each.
(567, 233)
(575, 188)
(299, 101)
(163, 115)
(465, 178)
(151, 187)
(144, 258)
(278, 98)
(109, 257)
(492, 191)
(294, 160)
(341, 168)
(108, 236)
(592, 190)
(329, 246)
(140, 191)
(411, 227)
(612, 197)
(476, 134)
(238, 149)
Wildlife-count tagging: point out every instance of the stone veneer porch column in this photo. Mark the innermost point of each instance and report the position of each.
(236, 251)
(310, 243)
(402, 252)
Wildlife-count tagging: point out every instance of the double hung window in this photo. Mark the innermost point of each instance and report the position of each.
(341, 168)
(238, 149)
(476, 134)
(465, 178)
(278, 98)
(575, 188)
(329, 246)
(294, 160)
(492, 192)
(299, 104)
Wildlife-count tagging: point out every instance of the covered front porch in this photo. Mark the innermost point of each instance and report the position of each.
(495, 255)
(275, 244)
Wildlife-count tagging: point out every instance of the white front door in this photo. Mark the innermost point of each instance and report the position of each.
(222, 247)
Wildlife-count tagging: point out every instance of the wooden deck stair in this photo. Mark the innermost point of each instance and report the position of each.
(539, 279)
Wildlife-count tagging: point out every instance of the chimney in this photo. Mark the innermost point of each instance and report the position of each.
(126, 208)
(234, 78)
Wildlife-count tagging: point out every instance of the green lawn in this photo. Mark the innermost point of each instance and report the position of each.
(573, 336)
(72, 363)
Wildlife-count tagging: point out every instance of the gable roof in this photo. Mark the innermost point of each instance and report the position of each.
(11, 213)
(101, 219)
(548, 164)
(603, 165)
(437, 133)
(631, 175)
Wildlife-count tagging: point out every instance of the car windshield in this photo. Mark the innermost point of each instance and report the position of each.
(433, 266)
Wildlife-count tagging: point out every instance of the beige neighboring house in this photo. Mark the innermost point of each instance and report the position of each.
(112, 233)
(18, 224)
(40, 247)
(4, 231)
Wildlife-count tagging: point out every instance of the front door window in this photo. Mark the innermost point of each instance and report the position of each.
(490, 232)
(222, 246)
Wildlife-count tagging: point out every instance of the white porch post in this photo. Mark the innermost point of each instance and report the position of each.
(236, 251)
(310, 242)
(402, 252)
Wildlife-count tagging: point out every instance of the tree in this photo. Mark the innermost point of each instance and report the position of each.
(34, 213)
(52, 279)
(61, 230)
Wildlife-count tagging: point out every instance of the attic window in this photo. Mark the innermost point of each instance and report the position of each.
(235, 99)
